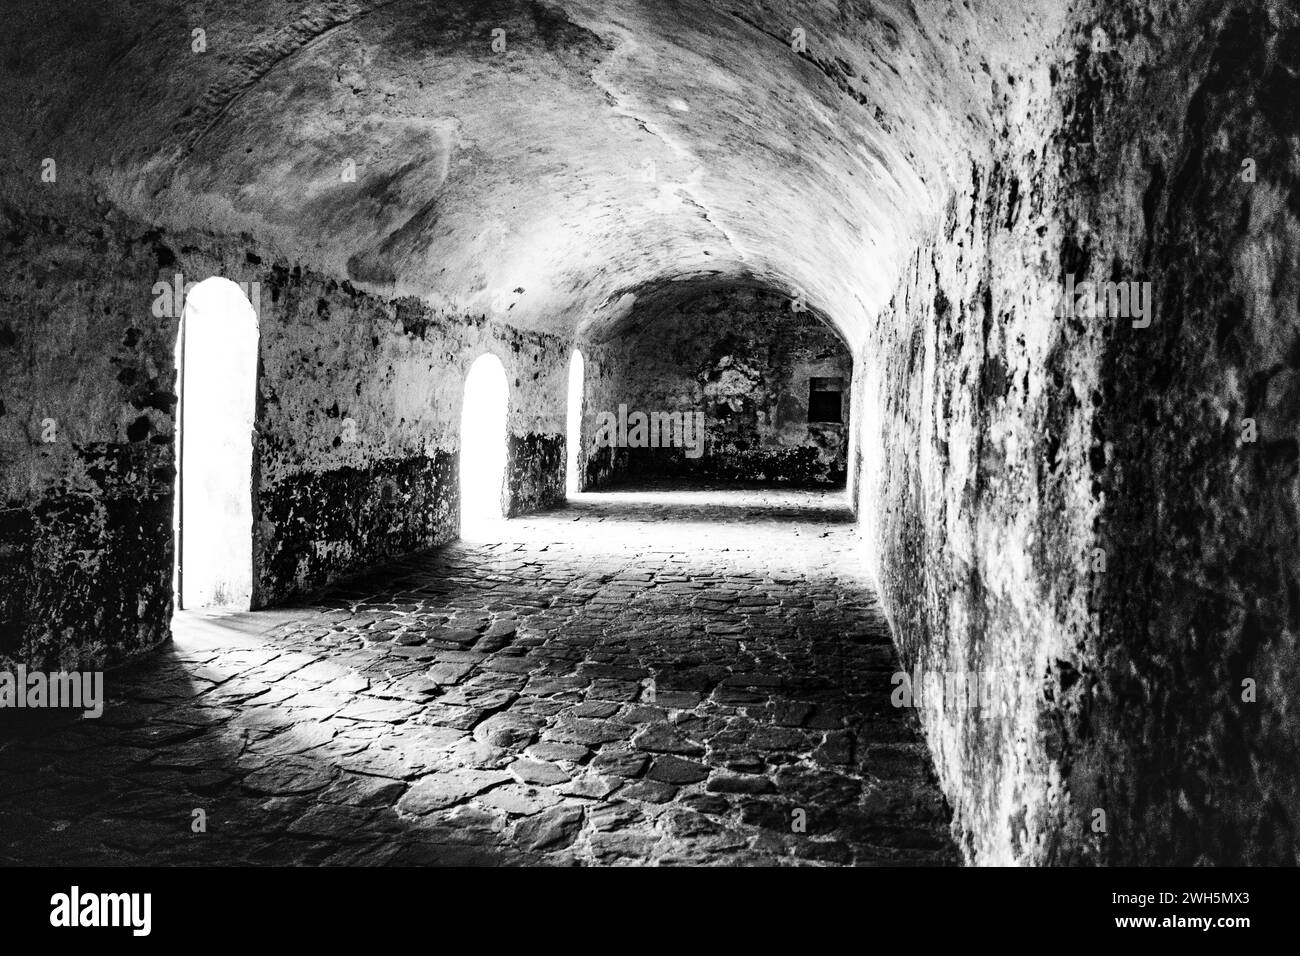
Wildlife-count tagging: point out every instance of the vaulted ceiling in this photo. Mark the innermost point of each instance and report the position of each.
(608, 149)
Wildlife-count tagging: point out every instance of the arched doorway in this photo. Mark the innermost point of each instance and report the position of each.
(573, 431)
(483, 444)
(216, 365)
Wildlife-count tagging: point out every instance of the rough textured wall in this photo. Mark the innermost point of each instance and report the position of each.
(1065, 502)
(743, 358)
(87, 397)
(355, 448)
(358, 444)
(1198, 515)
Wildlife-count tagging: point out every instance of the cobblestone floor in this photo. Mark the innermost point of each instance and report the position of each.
(671, 678)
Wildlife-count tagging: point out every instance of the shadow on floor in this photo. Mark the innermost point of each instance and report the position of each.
(677, 693)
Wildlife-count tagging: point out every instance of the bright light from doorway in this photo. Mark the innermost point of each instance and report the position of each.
(217, 382)
(483, 447)
(573, 432)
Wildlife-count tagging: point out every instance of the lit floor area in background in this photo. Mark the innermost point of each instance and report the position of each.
(642, 677)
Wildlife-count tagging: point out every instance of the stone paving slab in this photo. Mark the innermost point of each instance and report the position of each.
(678, 678)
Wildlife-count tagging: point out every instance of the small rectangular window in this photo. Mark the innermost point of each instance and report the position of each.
(824, 397)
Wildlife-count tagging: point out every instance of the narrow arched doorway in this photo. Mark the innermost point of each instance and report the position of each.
(216, 353)
(573, 430)
(483, 444)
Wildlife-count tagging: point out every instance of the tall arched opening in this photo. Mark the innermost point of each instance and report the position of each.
(483, 444)
(573, 429)
(217, 384)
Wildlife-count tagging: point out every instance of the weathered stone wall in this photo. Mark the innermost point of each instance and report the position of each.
(87, 397)
(741, 357)
(1065, 502)
(356, 440)
(358, 445)
(1200, 523)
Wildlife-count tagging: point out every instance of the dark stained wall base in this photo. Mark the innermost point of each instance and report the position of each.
(86, 578)
(603, 467)
(534, 473)
(803, 467)
(322, 526)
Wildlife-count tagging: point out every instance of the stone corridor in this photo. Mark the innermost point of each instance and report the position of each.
(664, 676)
